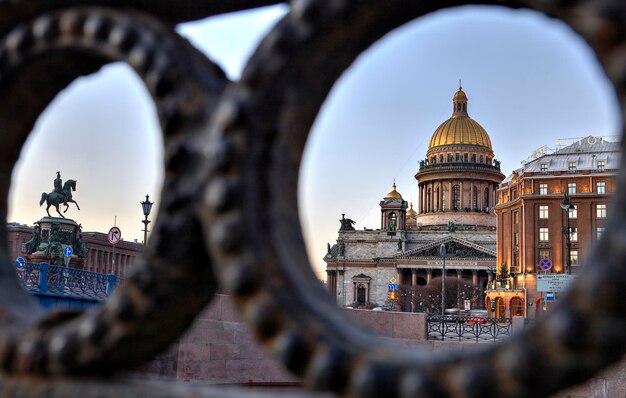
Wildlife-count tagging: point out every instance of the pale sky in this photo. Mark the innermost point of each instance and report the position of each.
(529, 80)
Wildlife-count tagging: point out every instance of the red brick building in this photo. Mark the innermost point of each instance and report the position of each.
(531, 222)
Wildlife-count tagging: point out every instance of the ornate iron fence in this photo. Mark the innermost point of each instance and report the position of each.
(45, 279)
(233, 150)
(467, 328)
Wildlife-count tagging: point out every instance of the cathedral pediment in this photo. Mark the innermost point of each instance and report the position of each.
(456, 248)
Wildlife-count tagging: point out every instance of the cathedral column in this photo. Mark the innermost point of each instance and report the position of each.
(461, 194)
(459, 274)
(413, 277)
(400, 277)
(429, 275)
(450, 199)
(475, 277)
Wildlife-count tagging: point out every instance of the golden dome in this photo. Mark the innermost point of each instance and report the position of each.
(393, 194)
(460, 129)
(411, 212)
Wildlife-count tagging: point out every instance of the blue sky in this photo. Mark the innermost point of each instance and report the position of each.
(530, 81)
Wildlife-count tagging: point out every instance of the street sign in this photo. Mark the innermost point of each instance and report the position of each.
(468, 305)
(553, 282)
(545, 264)
(115, 235)
(20, 261)
(550, 297)
(392, 286)
(68, 251)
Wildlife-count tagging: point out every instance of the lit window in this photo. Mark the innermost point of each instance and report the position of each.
(574, 235)
(544, 167)
(601, 187)
(571, 166)
(599, 232)
(544, 254)
(571, 188)
(601, 211)
(543, 211)
(543, 234)
(573, 212)
(574, 257)
(543, 189)
(600, 164)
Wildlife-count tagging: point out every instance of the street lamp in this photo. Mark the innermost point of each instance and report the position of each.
(442, 253)
(146, 206)
(566, 205)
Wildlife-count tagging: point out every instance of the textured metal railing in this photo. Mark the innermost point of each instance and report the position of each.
(228, 214)
(42, 278)
(467, 328)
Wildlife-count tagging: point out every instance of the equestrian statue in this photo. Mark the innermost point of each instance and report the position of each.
(62, 194)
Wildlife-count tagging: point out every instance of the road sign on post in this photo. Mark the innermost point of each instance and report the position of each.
(553, 282)
(115, 235)
(545, 264)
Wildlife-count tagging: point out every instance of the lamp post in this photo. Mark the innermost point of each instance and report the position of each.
(146, 207)
(566, 205)
(442, 253)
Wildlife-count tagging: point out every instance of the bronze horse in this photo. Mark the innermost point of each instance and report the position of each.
(55, 199)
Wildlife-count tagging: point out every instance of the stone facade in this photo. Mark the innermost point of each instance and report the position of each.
(456, 185)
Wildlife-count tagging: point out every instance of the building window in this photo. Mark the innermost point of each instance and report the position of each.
(440, 158)
(449, 157)
(361, 293)
(457, 157)
(600, 211)
(599, 232)
(573, 213)
(544, 167)
(456, 198)
(516, 217)
(600, 165)
(475, 198)
(571, 188)
(516, 238)
(574, 235)
(486, 200)
(543, 234)
(393, 221)
(465, 157)
(543, 211)
(571, 166)
(543, 189)
(481, 159)
(544, 254)
(574, 257)
(517, 306)
(601, 187)
(473, 158)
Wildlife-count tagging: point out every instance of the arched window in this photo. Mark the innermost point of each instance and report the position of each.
(517, 306)
(475, 198)
(456, 198)
(481, 159)
(440, 158)
(393, 222)
(486, 200)
(473, 158)
(449, 157)
(500, 308)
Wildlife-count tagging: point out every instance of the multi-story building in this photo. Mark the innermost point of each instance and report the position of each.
(457, 185)
(533, 218)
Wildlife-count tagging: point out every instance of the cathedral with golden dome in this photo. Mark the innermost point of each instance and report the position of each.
(456, 191)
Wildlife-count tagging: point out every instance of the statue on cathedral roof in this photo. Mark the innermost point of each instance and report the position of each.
(346, 223)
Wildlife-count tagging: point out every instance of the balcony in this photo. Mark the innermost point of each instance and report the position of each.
(452, 166)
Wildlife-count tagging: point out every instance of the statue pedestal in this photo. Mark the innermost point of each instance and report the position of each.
(55, 234)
